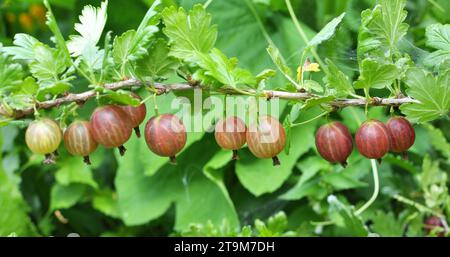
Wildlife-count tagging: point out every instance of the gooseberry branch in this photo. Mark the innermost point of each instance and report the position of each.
(165, 88)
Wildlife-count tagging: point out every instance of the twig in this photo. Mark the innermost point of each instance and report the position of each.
(166, 88)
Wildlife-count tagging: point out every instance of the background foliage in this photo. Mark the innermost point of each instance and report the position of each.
(206, 193)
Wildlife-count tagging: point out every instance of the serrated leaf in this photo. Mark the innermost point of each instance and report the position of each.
(376, 75)
(59, 38)
(190, 33)
(121, 97)
(381, 29)
(345, 218)
(438, 36)
(438, 140)
(265, 75)
(433, 94)
(311, 85)
(281, 64)
(90, 28)
(48, 63)
(225, 70)
(157, 65)
(23, 49)
(10, 73)
(337, 81)
(132, 45)
(386, 224)
(326, 32)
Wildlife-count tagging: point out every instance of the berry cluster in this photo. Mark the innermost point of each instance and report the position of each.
(265, 138)
(373, 139)
(110, 126)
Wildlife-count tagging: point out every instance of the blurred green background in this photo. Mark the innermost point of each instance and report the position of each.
(207, 194)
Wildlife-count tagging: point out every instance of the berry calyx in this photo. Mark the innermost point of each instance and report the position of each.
(266, 139)
(79, 140)
(111, 127)
(401, 133)
(136, 114)
(372, 139)
(165, 135)
(43, 136)
(334, 142)
(434, 223)
(230, 134)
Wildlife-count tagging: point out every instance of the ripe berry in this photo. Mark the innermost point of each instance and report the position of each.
(111, 127)
(165, 135)
(230, 134)
(43, 136)
(432, 223)
(136, 114)
(372, 139)
(334, 142)
(79, 140)
(266, 139)
(401, 133)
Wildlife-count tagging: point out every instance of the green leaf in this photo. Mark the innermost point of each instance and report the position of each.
(51, 23)
(306, 186)
(337, 81)
(224, 70)
(64, 197)
(105, 201)
(23, 49)
(341, 181)
(376, 75)
(278, 60)
(14, 217)
(132, 45)
(438, 36)
(312, 85)
(345, 218)
(438, 140)
(121, 97)
(11, 74)
(260, 177)
(157, 65)
(381, 29)
(190, 33)
(143, 198)
(433, 94)
(73, 170)
(437, 58)
(385, 224)
(49, 63)
(327, 32)
(90, 28)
